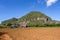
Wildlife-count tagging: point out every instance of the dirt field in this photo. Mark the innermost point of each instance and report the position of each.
(33, 33)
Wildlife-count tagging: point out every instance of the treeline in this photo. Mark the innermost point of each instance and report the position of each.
(33, 25)
(42, 24)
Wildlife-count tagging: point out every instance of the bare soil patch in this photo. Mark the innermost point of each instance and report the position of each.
(33, 33)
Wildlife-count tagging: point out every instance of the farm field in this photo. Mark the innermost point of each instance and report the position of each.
(33, 33)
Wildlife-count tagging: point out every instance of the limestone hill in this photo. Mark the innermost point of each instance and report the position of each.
(31, 19)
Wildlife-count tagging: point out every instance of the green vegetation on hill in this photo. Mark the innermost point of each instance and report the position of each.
(8, 23)
(32, 19)
(13, 20)
(33, 16)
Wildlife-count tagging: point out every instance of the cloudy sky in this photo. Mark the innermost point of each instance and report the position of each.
(18, 8)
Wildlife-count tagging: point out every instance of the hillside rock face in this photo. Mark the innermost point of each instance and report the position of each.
(35, 17)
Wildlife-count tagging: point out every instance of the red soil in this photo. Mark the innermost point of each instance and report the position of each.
(33, 33)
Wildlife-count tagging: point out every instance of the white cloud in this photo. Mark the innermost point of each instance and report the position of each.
(50, 2)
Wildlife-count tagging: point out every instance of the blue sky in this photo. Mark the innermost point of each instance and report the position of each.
(19, 8)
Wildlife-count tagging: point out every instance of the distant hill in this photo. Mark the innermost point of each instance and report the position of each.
(32, 19)
(12, 20)
(34, 16)
(35, 19)
(9, 22)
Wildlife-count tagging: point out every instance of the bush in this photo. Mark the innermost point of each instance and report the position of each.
(52, 25)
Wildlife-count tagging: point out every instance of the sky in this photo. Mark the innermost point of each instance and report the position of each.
(19, 8)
